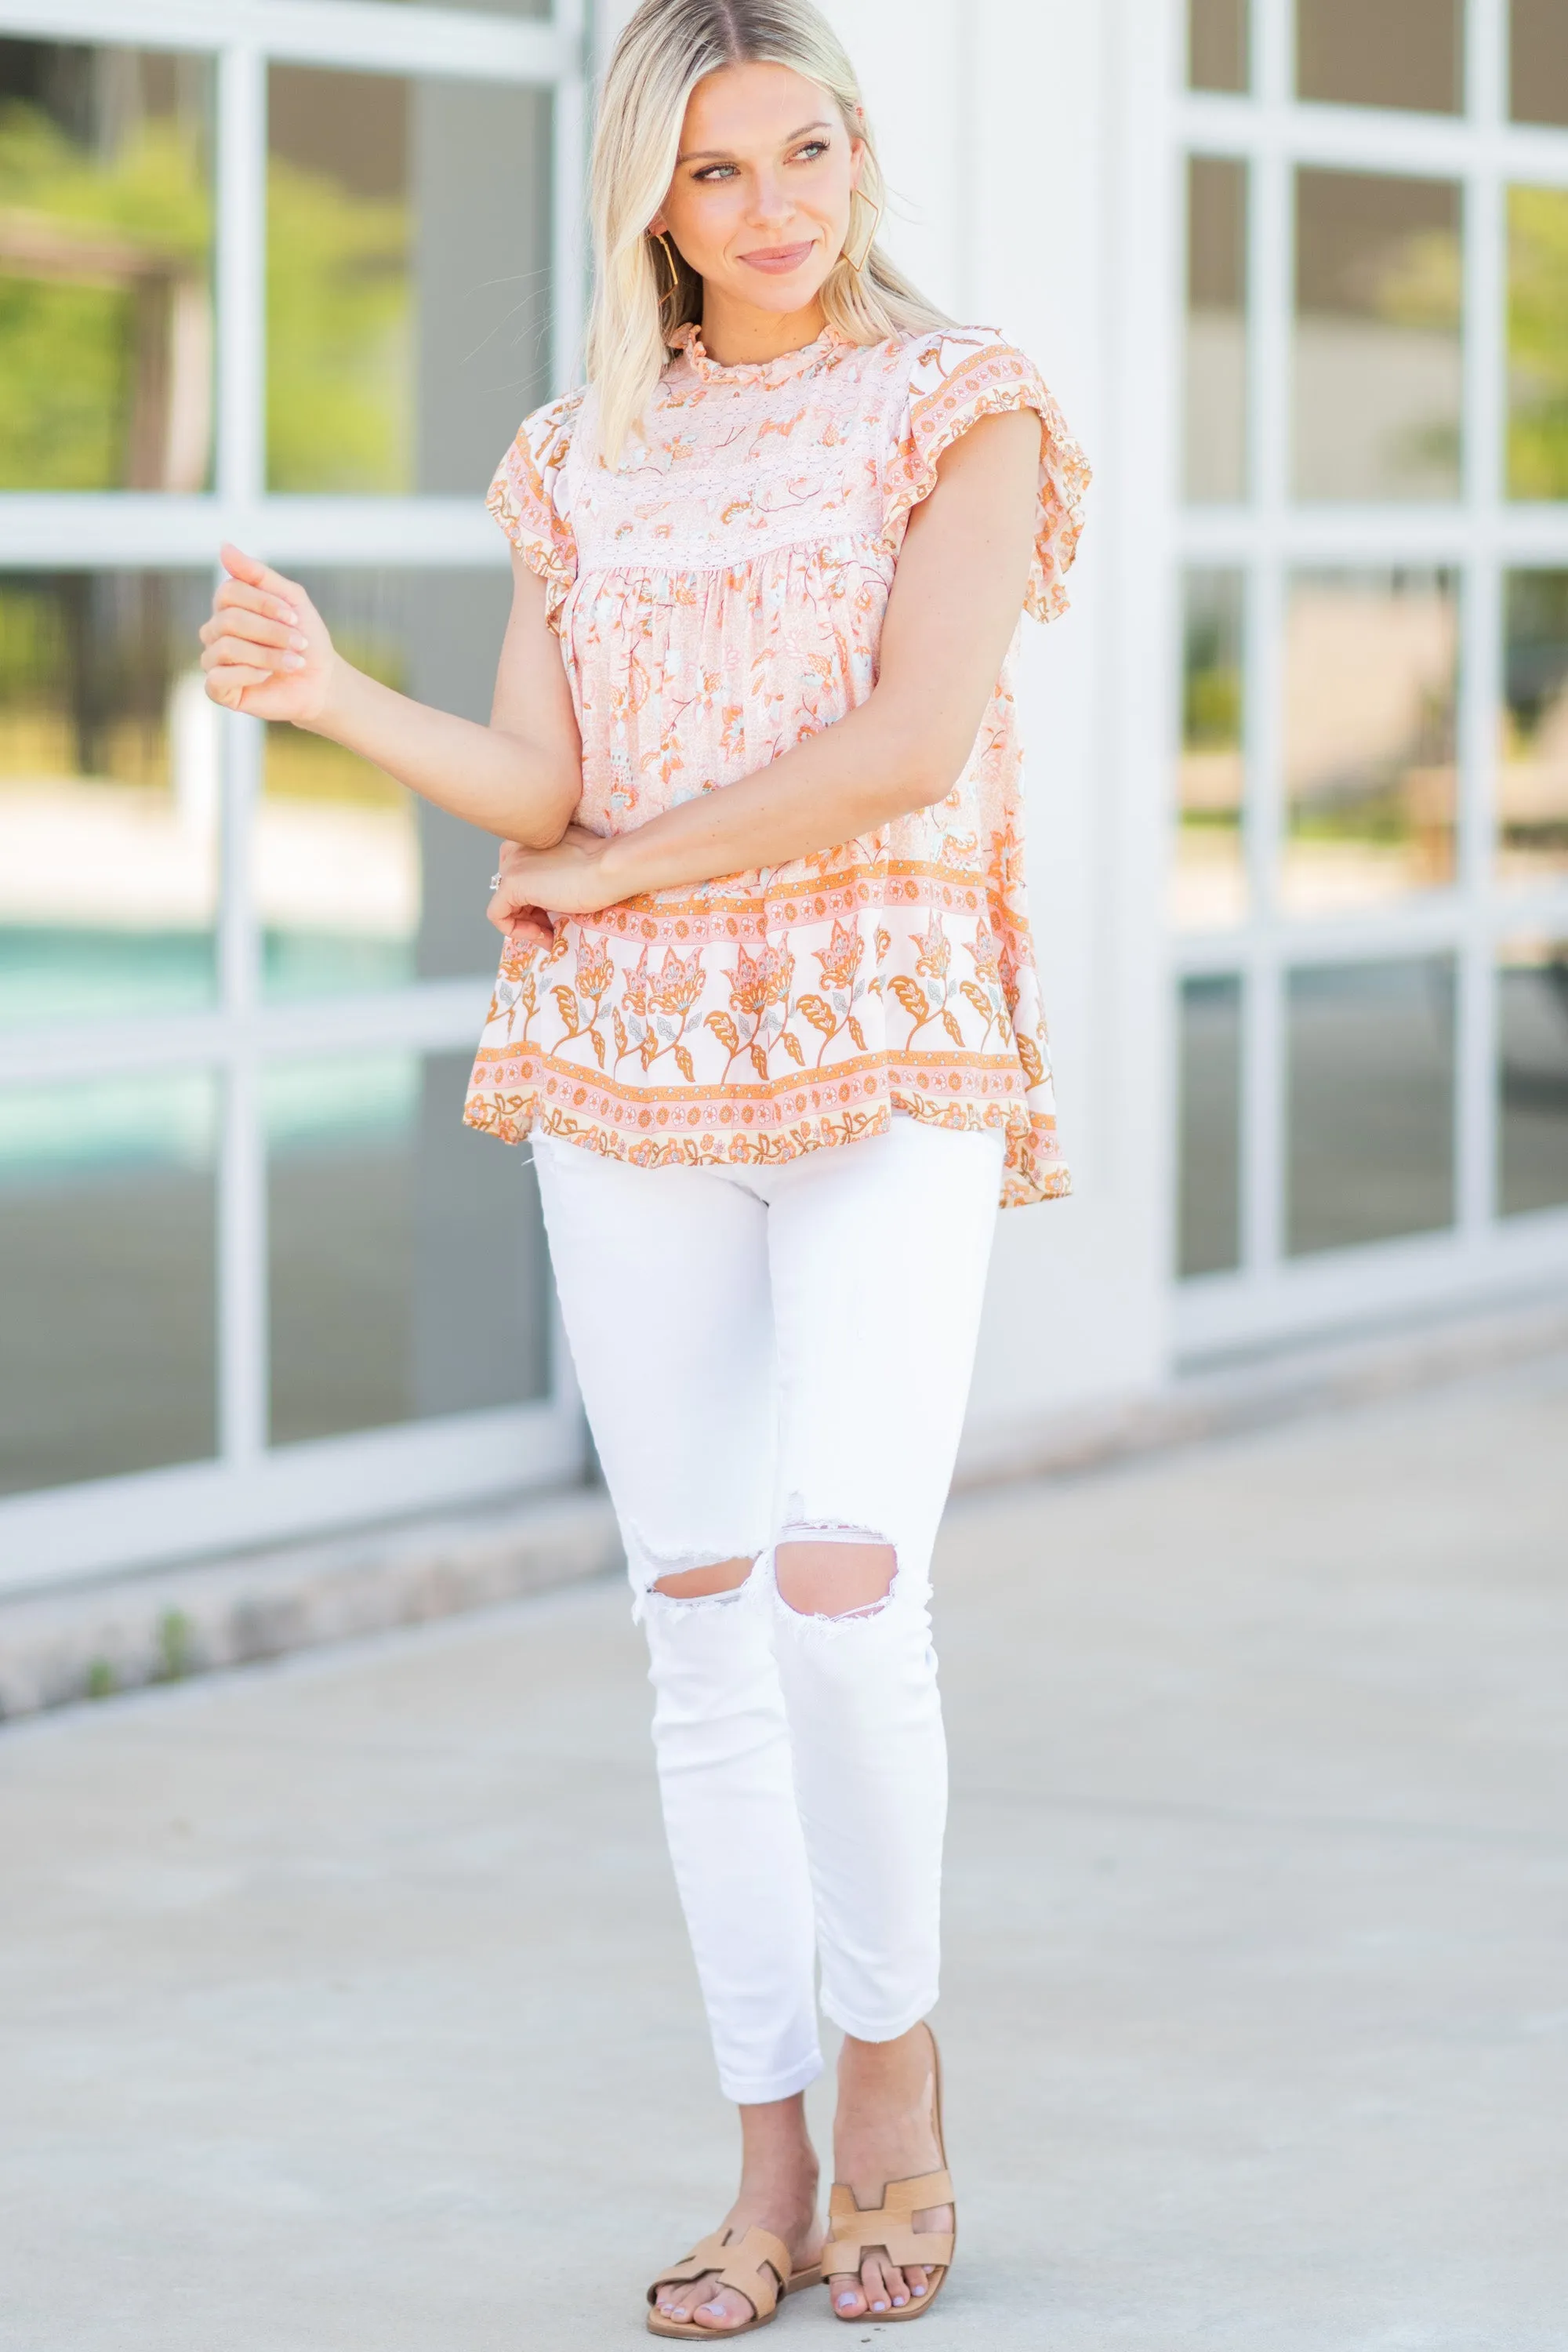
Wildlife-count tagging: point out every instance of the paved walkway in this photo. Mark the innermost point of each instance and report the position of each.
(343, 2006)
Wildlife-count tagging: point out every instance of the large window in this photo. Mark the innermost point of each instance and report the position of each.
(1369, 872)
(296, 289)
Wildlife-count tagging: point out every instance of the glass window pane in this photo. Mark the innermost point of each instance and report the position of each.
(1209, 1217)
(1210, 878)
(1217, 328)
(1399, 53)
(1539, 61)
(407, 279)
(1371, 1102)
(1372, 787)
(407, 1275)
(1378, 353)
(359, 883)
(106, 312)
(1533, 1075)
(107, 1225)
(1532, 776)
(1538, 342)
(109, 797)
(1217, 45)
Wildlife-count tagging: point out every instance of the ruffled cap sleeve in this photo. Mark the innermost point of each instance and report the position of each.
(527, 497)
(956, 378)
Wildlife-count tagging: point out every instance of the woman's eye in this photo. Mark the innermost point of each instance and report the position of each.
(811, 151)
(710, 172)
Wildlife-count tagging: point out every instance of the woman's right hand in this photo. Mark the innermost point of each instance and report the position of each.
(268, 650)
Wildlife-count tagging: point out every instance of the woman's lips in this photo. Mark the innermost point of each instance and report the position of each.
(778, 260)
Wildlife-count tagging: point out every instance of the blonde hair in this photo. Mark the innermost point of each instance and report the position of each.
(670, 46)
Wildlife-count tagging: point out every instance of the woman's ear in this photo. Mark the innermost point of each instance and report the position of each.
(657, 226)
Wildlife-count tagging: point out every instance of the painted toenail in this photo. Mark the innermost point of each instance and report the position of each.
(846, 2303)
(899, 2301)
(878, 2307)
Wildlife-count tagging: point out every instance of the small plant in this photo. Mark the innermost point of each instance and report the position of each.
(174, 1658)
(101, 1682)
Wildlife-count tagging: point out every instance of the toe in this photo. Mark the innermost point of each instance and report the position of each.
(918, 2278)
(848, 2294)
(898, 2285)
(723, 2311)
(874, 2279)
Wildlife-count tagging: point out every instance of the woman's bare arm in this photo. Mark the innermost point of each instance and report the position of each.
(955, 602)
(269, 653)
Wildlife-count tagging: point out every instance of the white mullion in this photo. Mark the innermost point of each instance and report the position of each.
(569, 196)
(242, 1236)
(241, 262)
(1481, 622)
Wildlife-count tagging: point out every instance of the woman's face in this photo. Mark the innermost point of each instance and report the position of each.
(758, 205)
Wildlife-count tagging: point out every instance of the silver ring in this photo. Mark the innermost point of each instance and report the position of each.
(495, 881)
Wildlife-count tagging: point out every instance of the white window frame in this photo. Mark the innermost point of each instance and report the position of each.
(1480, 535)
(250, 1493)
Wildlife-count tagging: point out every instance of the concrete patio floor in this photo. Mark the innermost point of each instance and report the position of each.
(344, 2005)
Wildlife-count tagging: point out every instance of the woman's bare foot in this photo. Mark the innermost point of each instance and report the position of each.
(886, 2130)
(778, 2192)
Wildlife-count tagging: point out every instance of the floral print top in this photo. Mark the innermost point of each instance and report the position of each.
(718, 599)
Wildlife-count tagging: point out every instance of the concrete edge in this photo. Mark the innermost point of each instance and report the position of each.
(93, 1641)
(1255, 1391)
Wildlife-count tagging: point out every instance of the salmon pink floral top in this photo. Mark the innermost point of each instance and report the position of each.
(720, 598)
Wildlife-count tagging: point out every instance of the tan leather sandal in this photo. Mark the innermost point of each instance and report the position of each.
(855, 2231)
(756, 2266)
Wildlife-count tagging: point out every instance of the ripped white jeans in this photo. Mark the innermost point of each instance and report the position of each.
(768, 1354)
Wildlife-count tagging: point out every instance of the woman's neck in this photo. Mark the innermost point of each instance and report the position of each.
(736, 334)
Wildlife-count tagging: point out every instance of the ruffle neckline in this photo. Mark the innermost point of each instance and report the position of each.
(687, 340)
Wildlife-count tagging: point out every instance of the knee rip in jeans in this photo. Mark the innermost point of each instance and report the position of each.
(692, 1577)
(833, 1573)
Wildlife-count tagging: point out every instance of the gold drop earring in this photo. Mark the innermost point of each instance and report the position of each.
(669, 256)
(857, 245)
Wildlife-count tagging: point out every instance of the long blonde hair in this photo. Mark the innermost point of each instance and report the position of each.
(670, 46)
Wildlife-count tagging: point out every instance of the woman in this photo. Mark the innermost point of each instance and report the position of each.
(768, 1008)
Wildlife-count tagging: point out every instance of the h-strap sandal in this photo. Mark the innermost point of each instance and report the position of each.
(756, 2265)
(855, 2231)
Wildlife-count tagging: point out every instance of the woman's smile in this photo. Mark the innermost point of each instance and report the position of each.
(778, 260)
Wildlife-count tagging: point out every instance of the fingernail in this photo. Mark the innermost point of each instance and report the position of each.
(287, 613)
(300, 644)
(293, 661)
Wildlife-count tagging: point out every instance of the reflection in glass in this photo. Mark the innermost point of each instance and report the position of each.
(407, 1273)
(1538, 342)
(1539, 61)
(1217, 328)
(1218, 45)
(1371, 683)
(107, 1225)
(1370, 1150)
(1377, 348)
(1532, 774)
(1209, 1214)
(1210, 880)
(106, 313)
(1533, 1075)
(1407, 52)
(109, 797)
(407, 279)
(358, 884)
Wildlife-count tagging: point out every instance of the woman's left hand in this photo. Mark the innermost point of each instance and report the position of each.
(568, 879)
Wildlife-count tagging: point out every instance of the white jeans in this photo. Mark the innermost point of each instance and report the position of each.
(769, 1354)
